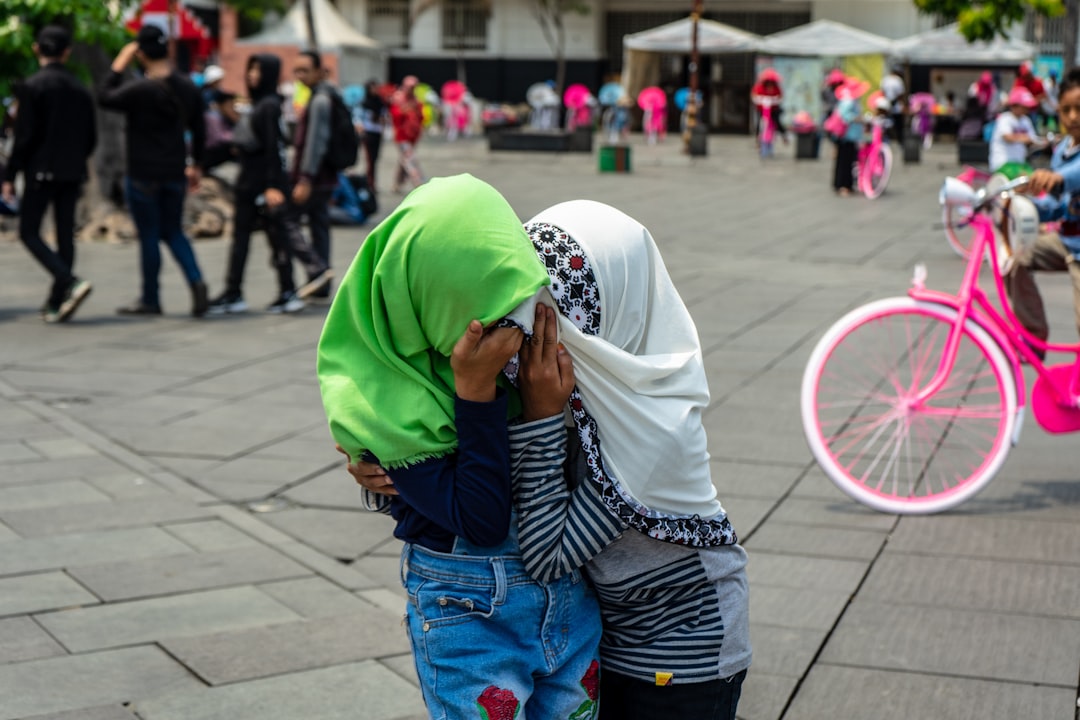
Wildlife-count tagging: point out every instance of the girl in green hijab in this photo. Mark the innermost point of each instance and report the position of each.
(410, 368)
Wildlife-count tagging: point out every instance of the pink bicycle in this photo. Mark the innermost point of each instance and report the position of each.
(911, 404)
(767, 127)
(875, 162)
(957, 217)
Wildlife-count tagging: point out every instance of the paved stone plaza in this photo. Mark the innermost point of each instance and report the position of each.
(180, 541)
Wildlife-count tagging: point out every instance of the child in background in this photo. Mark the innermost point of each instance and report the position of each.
(849, 113)
(1013, 135)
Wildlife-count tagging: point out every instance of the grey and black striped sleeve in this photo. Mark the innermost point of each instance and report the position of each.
(558, 530)
(374, 501)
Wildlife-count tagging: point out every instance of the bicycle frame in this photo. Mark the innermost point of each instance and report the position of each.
(971, 302)
(869, 156)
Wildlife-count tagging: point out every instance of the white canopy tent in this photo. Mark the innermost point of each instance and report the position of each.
(642, 50)
(946, 46)
(358, 55)
(824, 38)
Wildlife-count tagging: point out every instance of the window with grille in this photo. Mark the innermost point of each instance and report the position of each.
(464, 24)
(388, 22)
(1046, 33)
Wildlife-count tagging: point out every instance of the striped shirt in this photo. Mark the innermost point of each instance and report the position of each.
(671, 613)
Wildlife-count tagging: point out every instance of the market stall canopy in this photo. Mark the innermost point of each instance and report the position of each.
(713, 38)
(359, 57)
(946, 46)
(333, 30)
(825, 38)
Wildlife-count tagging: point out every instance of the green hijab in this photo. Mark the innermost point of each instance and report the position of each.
(453, 251)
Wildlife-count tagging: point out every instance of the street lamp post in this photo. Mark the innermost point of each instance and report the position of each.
(695, 65)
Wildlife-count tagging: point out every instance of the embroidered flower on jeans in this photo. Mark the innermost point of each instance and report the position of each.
(497, 704)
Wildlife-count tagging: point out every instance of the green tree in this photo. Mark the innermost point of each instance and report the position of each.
(985, 19)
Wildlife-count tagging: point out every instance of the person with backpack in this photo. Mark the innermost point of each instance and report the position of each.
(160, 107)
(846, 130)
(54, 135)
(325, 144)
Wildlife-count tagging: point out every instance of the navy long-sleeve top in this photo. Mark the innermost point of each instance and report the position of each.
(465, 494)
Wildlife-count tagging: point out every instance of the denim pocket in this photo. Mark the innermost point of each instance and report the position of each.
(441, 603)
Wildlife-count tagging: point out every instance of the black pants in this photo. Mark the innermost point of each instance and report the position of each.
(299, 247)
(898, 122)
(248, 218)
(372, 143)
(317, 210)
(847, 152)
(625, 698)
(36, 198)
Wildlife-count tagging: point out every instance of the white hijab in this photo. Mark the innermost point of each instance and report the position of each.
(641, 385)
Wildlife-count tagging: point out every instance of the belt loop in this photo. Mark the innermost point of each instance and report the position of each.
(499, 569)
(406, 552)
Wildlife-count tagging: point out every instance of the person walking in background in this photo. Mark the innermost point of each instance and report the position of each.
(55, 133)
(832, 81)
(160, 108)
(408, 119)
(260, 191)
(313, 178)
(893, 88)
(374, 116)
(846, 131)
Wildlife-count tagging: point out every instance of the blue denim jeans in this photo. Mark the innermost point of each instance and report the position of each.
(157, 208)
(486, 635)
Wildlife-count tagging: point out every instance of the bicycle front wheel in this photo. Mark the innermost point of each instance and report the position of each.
(871, 437)
(878, 169)
(958, 228)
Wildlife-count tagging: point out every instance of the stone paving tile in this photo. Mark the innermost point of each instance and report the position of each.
(104, 712)
(764, 696)
(13, 452)
(338, 533)
(965, 583)
(746, 514)
(334, 488)
(78, 681)
(347, 576)
(150, 410)
(990, 538)
(833, 692)
(783, 651)
(255, 476)
(830, 513)
(102, 516)
(23, 639)
(796, 571)
(143, 621)
(290, 647)
(47, 471)
(314, 597)
(753, 480)
(36, 593)
(7, 533)
(816, 541)
(91, 382)
(210, 535)
(128, 487)
(188, 572)
(810, 608)
(61, 448)
(1018, 648)
(49, 495)
(51, 553)
(336, 692)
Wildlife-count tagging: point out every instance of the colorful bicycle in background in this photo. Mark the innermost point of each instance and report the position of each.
(911, 404)
(875, 162)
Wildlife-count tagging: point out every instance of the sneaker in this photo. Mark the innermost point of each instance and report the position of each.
(200, 301)
(138, 308)
(227, 303)
(287, 302)
(73, 298)
(318, 286)
(50, 313)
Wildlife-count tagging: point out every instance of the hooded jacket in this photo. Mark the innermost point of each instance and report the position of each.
(262, 161)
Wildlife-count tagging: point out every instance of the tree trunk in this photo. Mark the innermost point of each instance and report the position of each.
(309, 13)
(560, 56)
(1068, 41)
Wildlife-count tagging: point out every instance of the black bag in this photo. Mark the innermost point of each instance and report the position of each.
(344, 149)
(368, 203)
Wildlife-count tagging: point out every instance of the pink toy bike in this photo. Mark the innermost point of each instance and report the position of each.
(767, 127)
(911, 404)
(957, 216)
(875, 162)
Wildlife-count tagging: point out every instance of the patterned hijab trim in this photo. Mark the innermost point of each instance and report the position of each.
(577, 294)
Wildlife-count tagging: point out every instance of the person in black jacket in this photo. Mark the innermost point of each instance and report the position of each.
(55, 133)
(260, 191)
(160, 107)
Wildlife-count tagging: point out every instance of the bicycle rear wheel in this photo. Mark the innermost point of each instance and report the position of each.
(873, 441)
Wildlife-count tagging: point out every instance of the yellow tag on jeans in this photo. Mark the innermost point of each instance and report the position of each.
(664, 678)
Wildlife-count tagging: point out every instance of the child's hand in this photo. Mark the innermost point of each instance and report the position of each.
(547, 372)
(369, 476)
(478, 358)
(1043, 180)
